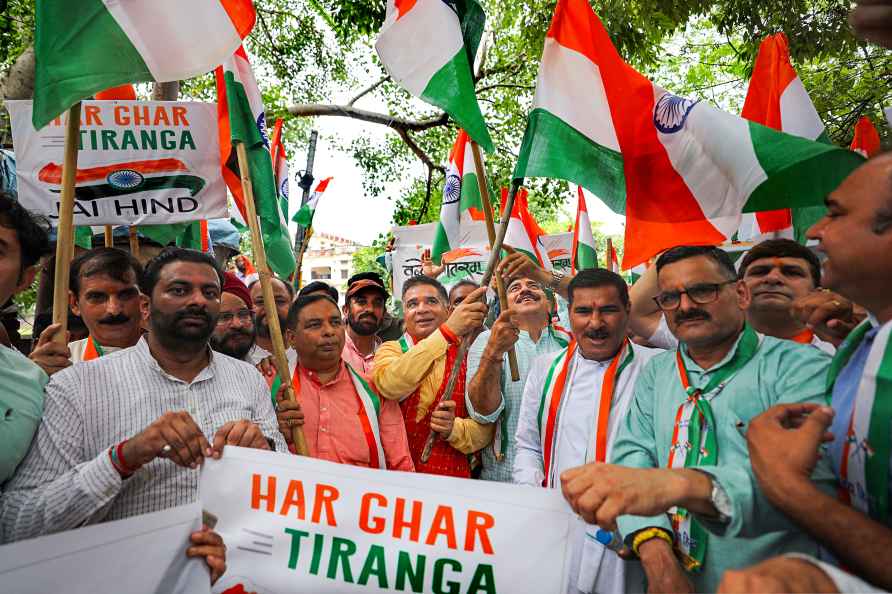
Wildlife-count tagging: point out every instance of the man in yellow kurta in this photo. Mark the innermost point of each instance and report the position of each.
(415, 369)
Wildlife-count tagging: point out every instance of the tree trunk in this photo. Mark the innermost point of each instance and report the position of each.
(166, 91)
(18, 83)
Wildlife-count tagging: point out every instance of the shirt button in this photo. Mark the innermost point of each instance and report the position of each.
(323, 429)
(324, 409)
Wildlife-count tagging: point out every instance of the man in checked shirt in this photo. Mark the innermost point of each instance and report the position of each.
(125, 434)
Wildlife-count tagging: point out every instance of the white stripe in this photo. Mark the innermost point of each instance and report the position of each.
(570, 88)
(585, 230)
(371, 415)
(449, 211)
(714, 155)
(751, 231)
(176, 39)
(798, 114)
(418, 45)
(517, 237)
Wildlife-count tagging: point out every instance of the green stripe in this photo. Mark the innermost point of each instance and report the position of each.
(440, 245)
(376, 402)
(800, 172)
(552, 148)
(80, 50)
(473, 20)
(876, 467)
(452, 89)
(586, 257)
(470, 193)
(545, 389)
(304, 216)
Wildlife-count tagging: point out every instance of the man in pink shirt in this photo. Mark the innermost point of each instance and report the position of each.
(343, 418)
(364, 312)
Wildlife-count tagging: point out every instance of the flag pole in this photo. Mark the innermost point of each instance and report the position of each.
(491, 232)
(134, 241)
(272, 318)
(65, 230)
(109, 236)
(298, 264)
(610, 255)
(466, 343)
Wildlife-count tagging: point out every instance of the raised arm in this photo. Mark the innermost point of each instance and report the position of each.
(645, 315)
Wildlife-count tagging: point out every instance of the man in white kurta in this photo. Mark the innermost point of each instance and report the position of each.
(561, 424)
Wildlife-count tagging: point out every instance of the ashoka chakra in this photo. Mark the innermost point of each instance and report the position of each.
(125, 179)
(671, 112)
(452, 190)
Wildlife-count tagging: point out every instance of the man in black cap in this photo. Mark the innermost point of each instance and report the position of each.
(364, 310)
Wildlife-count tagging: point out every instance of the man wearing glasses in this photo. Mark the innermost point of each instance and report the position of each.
(680, 461)
(234, 334)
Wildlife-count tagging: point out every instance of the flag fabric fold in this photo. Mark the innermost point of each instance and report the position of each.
(523, 233)
(866, 141)
(101, 44)
(680, 169)
(428, 48)
(584, 253)
(280, 166)
(242, 119)
(304, 216)
(461, 197)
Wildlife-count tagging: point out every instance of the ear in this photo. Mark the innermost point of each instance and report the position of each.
(345, 310)
(27, 277)
(291, 338)
(72, 303)
(743, 295)
(145, 308)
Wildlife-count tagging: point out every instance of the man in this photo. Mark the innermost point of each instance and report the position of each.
(459, 292)
(584, 392)
(364, 312)
(681, 448)
(125, 434)
(319, 287)
(391, 327)
(104, 292)
(853, 520)
(283, 294)
(234, 333)
(781, 275)
(23, 243)
(415, 370)
(337, 405)
(492, 396)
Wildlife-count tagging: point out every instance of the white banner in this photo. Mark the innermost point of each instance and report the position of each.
(141, 555)
(296, 524)
(139, 163)
(465, 262)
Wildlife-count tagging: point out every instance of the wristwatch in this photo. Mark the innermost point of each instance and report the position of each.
(720, 501)
(556, 278)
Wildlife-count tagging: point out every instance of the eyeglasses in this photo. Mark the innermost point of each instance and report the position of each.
(700, 294)
(244, 316)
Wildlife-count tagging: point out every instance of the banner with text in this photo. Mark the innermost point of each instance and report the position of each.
(139, 163)
(296, 524)
(465, 262)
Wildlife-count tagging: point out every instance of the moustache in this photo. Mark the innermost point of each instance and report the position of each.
(233, 332)
(526, 294)
(193, 313)
(600, 334)
(115, 320)
(691, 315)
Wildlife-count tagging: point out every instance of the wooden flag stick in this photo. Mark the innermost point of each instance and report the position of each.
(305, 242)
(109, 236)
(134, 241)
(269, 300)
(65, 230)
(491, 232)
(465, 343)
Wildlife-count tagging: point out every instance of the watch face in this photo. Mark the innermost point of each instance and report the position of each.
(721, 501)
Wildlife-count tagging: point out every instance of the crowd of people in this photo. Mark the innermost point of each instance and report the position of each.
(715, 426)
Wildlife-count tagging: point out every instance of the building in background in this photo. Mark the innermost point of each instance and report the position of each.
(329, 258)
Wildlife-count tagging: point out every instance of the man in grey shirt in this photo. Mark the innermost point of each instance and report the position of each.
(125, 434)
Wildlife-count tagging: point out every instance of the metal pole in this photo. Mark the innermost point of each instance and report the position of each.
(306, 182)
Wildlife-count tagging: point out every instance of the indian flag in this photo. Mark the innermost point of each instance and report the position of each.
(428, 48)
(584, 253)
(777, 99)
(280, 166)
(612, 259)
(523, 233)
(680, 169)
(241, 119)
(86, 46)
(304, 216)
(866, 141)
(461, 197)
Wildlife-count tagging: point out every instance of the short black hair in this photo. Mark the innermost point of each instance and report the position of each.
(288, 286)
(112, 262)
(462, 283)
(319, 286)
(172, 254)
(783, 248)
(31, 231)
(369, 275)
(303, 301)
(430, 282)
(598, 277)
(683, 252)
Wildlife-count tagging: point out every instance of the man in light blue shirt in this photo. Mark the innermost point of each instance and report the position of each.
(23, 243)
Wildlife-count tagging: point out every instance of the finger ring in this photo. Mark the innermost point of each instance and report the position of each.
(166, 449)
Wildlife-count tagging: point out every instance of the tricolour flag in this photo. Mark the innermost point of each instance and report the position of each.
(121, 93)
(461, 197)
(680, 169)
(304, 216)
(866, 141)
(280, 166)
(584, 253)
(777, 99)
(523, 233)
(241, 119)
(612, 258)
(90, 45)
(428, 48)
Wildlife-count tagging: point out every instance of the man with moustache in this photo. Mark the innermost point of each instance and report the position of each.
(783, 278)
(344, 419)
(104, 292)
(125, 434)
(234, 334)
(283, 294)
(679, 463)
(364, 312)
(583, 393)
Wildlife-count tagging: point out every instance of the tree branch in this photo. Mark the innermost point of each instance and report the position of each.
(413, 146)
(368, 90)
(347, 111)
(504, 86)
